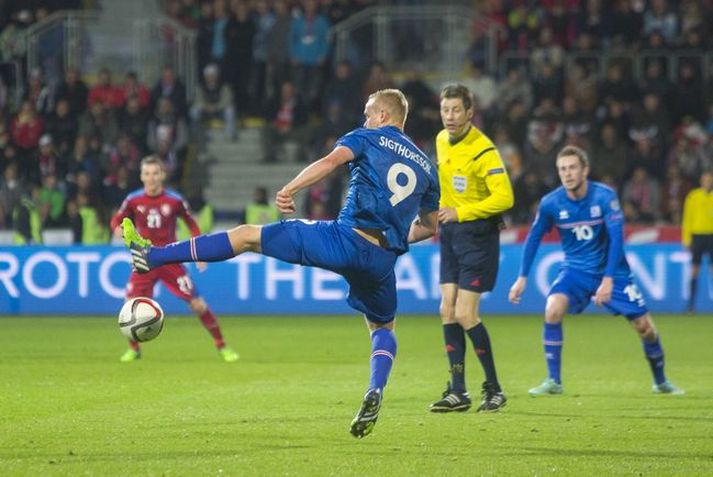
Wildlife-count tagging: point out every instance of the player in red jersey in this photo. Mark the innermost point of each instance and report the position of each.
(154, 210)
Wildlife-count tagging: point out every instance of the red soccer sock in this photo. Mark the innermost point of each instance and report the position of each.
(134, 345)
(211, 324)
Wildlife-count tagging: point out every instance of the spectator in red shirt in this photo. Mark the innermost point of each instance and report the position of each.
(133, 88)
(26, 128)
(104, 92)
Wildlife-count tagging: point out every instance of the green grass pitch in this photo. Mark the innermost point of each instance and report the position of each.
(68, 407)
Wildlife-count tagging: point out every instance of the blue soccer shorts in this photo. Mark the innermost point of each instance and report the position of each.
(368, 268)
(580, 287)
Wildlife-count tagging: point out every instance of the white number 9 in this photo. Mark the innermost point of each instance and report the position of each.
(400, 192)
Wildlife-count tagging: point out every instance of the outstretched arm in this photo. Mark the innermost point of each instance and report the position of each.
(311, 174)
(540, 227)
(425, 226)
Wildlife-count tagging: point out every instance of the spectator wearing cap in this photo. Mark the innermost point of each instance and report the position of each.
(214, 101)
(47, 163)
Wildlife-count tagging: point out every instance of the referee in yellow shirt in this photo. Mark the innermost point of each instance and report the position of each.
(475, 191)
(697, 230)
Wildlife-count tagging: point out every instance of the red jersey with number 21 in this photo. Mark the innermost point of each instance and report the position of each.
(155, 216)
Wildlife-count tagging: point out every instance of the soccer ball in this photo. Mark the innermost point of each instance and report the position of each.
(141, 319)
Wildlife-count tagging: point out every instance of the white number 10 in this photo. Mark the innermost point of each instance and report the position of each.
(400, 192)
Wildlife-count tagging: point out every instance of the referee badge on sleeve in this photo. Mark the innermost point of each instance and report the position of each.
(460, 183)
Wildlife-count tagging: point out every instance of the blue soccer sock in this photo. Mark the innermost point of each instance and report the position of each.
(654, 354)
(552, 340)
(383, 351)
(204, 248)
(454, 336)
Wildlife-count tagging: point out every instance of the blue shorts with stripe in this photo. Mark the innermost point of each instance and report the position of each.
(579, 287)
(368, 268)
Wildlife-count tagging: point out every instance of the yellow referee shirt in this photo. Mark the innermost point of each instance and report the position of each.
(697, 215)
(472, 176)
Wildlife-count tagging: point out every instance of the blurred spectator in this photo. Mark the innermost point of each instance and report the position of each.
(547, 84)
(167, 126)
(104, 92)
(99, 121)
(278, 66)
(125, 155)
(673, 194)
(646, 154)
(88, 220)
(12, 189)
(260, 211)
(39, 93)
(133, 88)
(515, 87)
(237, 63)
(202, 213)
(641, 197)
(287, 120)
(616, 86)
(62, 126)
(592, 20)
(687, 95)
(377, 79)
(483, 87)
(609, 157)
(339, 90)
(47, 162)
(171, 88)
(546, 52)
(116, 190)
(625, 23)
(688, 152)
(655, 80)
(578, 125)
(26, 219)
(424, 108)
(528, 190)
(214, 101)
(581, 85)
(515, 121)
(207, 34)
(74, 90)
(264, 22)
(650, 120)
(134, 122)
(51, 202)
(26, 128)
(172, 161)
(309, 45)
(81, 161)
(659, 17)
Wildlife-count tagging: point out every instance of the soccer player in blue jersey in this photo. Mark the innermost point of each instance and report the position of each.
(590, 223)
(392, 201)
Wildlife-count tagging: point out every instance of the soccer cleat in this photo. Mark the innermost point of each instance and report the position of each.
(137, 245)
(130, 355)
(493, 400)
(452, 401)
(548, 386)
(365, 420)
(228, 354)
(667, 387)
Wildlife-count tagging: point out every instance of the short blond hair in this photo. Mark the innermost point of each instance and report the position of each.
(153, 160)
(393, 101)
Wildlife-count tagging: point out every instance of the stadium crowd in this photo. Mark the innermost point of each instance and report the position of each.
(628, 80)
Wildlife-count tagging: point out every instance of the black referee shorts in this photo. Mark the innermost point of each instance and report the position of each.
(701, 244)
(470, 254)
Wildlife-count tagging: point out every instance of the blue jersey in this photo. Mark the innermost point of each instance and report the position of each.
(391, 181)
(591, 231)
